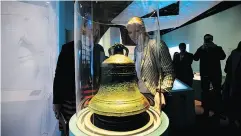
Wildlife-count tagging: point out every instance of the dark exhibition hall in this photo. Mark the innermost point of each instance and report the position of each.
(120, 68)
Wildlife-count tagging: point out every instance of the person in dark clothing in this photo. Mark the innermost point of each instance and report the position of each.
(98, 58)
(183, 65)
(64, 96)
(210, 55)
(64, 85)
(175, 53)
(232, 86)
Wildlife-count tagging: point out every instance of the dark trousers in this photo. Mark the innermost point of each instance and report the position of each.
(211, 99)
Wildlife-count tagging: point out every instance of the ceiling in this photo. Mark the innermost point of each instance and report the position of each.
(172, 9)
(187, 10)
(172, 14)
(224, 5)
(104, 11)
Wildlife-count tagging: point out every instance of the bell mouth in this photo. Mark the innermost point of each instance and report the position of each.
(128, 123)
(85, 124)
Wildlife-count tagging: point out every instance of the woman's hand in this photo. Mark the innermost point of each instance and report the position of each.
(159, 102)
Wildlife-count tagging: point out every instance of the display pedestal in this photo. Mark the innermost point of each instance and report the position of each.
(180, 106)
(78, 127)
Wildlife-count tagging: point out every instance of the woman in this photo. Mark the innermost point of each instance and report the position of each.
(153, 63)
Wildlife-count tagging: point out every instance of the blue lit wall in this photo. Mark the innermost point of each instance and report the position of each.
(65, 12)
(61, 23)
(69, 15)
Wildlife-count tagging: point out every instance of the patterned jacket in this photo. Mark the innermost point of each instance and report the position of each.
(156, 67)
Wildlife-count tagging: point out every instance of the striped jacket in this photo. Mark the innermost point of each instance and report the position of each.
(156, 67)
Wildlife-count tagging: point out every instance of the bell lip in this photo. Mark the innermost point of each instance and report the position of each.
(119, 114)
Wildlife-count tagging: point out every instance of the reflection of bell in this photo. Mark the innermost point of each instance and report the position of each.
(118, 95)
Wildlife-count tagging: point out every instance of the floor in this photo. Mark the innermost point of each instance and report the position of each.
(205, 126)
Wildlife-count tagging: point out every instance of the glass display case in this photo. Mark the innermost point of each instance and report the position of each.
(108, 98)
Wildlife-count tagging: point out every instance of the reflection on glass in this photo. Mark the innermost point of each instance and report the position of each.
(108, 98)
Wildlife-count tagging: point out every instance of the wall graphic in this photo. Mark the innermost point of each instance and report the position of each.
(28, 57)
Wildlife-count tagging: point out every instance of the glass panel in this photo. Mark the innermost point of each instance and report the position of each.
(107, 70)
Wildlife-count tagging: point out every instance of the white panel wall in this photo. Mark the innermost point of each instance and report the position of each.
(224, 26)
(28, 57)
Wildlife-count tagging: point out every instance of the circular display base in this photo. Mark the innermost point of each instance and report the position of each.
(82, 126)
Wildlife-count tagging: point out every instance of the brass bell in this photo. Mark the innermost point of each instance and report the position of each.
(118, 94)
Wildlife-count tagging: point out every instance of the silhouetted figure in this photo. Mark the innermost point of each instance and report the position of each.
(210, 55)
(183, 65)
(175, 53)
(64, 95)
(232, 85)
(64, 84)
(98, 58)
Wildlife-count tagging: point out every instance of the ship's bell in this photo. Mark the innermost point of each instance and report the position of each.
(118, 94)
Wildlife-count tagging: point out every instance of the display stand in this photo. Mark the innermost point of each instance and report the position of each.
(180, 106)
(159, 126)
